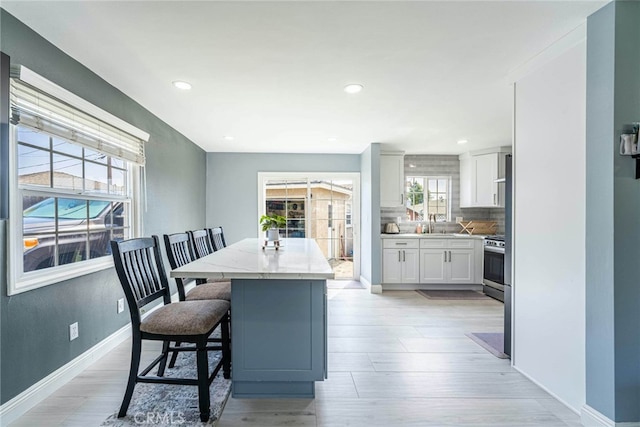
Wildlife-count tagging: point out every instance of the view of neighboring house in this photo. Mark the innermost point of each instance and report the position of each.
(321, 210)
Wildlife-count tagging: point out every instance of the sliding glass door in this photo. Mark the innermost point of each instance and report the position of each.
(321, 207)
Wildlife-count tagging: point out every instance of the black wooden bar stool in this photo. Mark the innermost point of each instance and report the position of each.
(139, 266)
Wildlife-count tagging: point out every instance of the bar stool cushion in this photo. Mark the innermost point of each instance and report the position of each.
(185, 318)
(211, 291)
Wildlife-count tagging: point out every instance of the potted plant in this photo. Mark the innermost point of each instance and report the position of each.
(271, 224)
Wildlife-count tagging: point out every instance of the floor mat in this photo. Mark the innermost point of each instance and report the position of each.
(493, 342)
(445, 294)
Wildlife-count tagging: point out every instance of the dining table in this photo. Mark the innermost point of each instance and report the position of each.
(278, 314)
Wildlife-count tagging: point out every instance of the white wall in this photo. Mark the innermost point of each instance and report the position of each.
(549, 240)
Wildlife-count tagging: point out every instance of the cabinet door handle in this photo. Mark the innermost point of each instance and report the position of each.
(399, 256)
(404, 256)
(449, 256)
(401, 243)
(494, 198)
(402, 199)
(445, 256)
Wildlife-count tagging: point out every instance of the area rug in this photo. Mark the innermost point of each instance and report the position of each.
(493, 342)
(444, 294)
(161, 405)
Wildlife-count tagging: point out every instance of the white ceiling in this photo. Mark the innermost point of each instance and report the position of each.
(271, 73)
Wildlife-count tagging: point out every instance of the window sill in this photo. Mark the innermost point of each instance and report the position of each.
(50, 276)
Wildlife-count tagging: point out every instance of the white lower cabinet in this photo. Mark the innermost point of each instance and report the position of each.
(432, 261)
(448, 261)
(400, 261)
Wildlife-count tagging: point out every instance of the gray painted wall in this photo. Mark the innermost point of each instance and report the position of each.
(613, 214)
(34, 324)
(232, 184)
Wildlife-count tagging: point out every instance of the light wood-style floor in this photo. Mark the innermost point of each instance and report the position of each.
(395, 359)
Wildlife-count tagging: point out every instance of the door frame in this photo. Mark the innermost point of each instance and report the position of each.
(309, 176)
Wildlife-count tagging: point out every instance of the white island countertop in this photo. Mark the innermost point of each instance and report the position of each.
(296, 259)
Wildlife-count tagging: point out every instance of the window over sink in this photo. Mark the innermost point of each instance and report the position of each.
(428, 195)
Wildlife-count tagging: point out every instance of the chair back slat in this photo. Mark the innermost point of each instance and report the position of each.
(217, 238)
(200, 242)
(141, 273)
(179, 252)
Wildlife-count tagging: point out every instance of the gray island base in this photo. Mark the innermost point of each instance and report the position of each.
(278, 315)
(279, 337)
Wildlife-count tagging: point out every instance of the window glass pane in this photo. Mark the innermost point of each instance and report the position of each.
(71, 209)
(415, 199)
(38, 233)
(66, 147)
(99, 244)
(30, 136)
(117, 162)
(433, 185)
(118, 182)
(95, 156)
(96, 178)
(67, 172)
(33, 166)
(119, 234)
(38, 207)
(72, 247)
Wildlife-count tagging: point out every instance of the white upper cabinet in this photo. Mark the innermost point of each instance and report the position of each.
(482, 178)
(391, 180)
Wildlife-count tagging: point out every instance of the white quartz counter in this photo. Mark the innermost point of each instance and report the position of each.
(296, 259)
(432, 236)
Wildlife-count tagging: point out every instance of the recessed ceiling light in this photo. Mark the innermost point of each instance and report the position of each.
(182, 85)
(228, 137)
(412, 166)
(462, 141)
(332, 139)
(353, 88)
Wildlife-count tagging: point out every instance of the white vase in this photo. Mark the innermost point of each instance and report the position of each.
(273, 234)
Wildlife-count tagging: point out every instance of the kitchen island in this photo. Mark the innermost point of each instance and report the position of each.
(278, 314)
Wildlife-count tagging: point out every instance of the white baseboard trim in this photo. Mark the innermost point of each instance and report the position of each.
(19, 405)
(374, 289)
(542, 386)
(592, 418)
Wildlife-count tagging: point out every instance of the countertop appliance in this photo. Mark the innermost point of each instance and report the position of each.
(391, 228)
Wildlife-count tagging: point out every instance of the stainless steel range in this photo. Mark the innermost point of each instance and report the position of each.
(494, 249)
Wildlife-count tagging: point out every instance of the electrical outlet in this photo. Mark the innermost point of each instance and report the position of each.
(73, 331)
(120, 305)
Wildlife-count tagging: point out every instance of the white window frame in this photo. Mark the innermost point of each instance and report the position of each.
(426, 179)
(19, 281)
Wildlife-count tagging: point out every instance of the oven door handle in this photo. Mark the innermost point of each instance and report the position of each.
(494, 250)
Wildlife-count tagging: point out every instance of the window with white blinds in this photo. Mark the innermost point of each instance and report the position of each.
(75, 172)
(39, 110)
